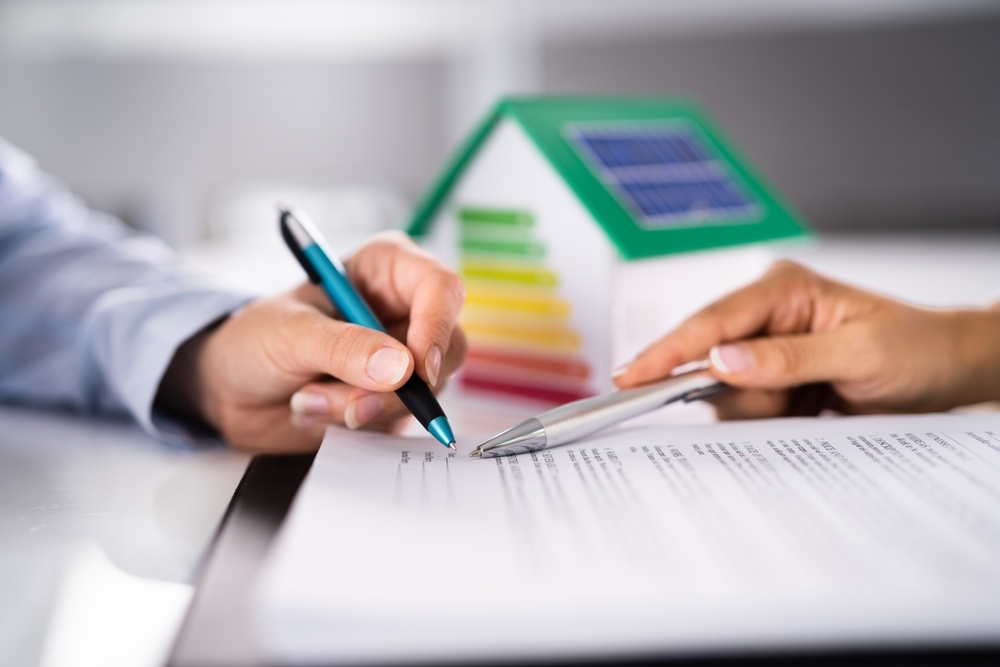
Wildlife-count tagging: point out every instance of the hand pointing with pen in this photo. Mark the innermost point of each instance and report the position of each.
(794, 343)
(274, 374)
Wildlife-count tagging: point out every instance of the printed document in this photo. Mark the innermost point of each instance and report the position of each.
(781, 534)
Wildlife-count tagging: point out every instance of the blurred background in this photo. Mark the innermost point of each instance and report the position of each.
(189, 118)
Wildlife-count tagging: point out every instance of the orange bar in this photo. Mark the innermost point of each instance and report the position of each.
(559, 338)
(568, 366)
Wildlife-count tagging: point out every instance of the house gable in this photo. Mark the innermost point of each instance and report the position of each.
(555, 126)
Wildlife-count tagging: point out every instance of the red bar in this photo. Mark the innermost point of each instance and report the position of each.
(538, 393)
(524, 377)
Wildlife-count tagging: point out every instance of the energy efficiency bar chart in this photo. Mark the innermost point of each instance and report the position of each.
(521, 338)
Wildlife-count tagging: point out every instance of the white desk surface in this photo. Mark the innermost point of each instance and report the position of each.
(100, 525)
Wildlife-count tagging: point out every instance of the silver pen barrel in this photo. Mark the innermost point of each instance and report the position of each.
(581, 418)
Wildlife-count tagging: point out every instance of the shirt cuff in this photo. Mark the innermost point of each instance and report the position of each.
(132, 336)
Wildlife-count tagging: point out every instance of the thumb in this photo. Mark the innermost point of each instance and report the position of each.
(780, 362)
(317, 344)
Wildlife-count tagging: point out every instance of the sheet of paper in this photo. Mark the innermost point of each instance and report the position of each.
(774, 534)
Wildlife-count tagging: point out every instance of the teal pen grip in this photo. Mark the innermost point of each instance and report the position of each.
(415, 394)
(347, 300)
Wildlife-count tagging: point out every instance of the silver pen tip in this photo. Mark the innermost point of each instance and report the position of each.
(525, 437)
(452, 447)
(476, 453)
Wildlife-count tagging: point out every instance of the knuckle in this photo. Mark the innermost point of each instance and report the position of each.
(389, 241)
(393, 241)
(396, 237)
(442, 294)
(779, 270)
(453, 286)
(791, 273)
(798, 285)
(448, 290)
(787, 267)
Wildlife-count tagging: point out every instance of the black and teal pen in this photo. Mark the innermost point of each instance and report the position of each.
(323, 268)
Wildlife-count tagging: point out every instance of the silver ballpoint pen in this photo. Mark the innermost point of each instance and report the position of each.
(581, 418)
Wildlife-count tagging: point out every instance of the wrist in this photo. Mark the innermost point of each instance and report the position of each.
(978, 336)
(182, 393)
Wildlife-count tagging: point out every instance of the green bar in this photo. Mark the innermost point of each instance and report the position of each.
(496, 216)
(498, 247)
(493, 232)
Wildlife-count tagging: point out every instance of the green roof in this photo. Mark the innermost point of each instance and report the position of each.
(549, 121)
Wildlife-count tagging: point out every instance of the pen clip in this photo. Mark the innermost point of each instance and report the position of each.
(293, 245)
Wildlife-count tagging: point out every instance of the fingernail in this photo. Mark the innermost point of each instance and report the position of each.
(731, 358)
(310, 403)
(388, 365)
(362, 411)
(302, 422)
(432, 364)
(621, 370)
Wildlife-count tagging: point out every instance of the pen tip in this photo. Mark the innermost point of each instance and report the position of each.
(452, 447)
(441, 430)
(476, 453)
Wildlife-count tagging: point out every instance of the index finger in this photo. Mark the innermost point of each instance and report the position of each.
(402, 281)
(780, 302)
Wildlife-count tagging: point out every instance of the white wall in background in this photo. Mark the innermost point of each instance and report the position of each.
(311, 30)
(863, 113)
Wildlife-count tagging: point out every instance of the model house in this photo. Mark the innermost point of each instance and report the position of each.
(585, 228)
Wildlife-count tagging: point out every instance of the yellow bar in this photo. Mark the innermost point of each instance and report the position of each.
(536, 304)
(515, 319)
(517, 274)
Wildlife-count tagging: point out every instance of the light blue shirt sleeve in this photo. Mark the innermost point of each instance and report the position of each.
(91, 312)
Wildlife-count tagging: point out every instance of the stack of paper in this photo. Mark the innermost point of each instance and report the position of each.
(774, 534)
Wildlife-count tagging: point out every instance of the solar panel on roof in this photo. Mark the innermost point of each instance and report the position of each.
(665, 175)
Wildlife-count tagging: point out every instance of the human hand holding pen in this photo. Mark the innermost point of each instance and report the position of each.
(277, 372)
(794, 343)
